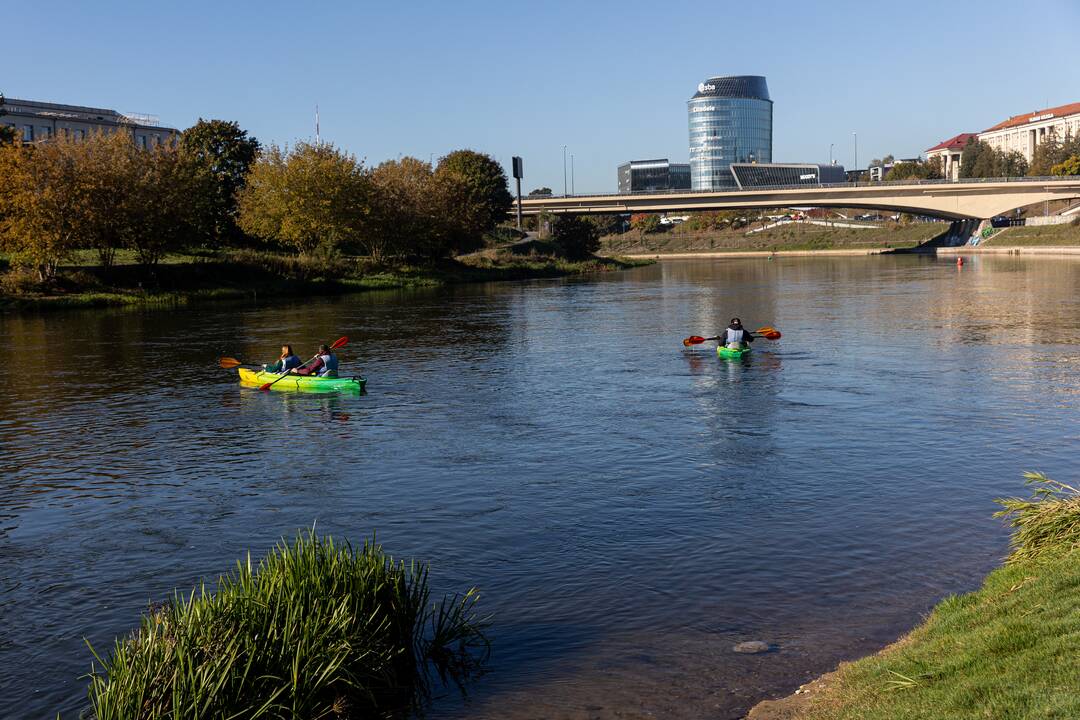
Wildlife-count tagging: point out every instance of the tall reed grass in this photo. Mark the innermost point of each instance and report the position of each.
(1047, 523)
(315, 630)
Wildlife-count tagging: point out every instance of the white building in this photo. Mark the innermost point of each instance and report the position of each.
(949, 151)
(37, 121)
(1022, 133)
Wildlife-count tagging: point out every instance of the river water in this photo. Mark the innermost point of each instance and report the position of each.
(629, 509)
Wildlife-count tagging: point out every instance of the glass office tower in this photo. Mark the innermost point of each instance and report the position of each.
(730, 121)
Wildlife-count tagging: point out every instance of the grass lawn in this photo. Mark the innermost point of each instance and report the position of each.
(1007, 651)
(793, 236)
(1048, 235)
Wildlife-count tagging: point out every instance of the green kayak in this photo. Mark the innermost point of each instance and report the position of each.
(732, 353)
(302, 383)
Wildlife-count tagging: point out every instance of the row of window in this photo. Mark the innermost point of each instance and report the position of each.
(31, 133)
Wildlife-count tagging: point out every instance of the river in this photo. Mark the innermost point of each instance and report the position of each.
(629, 508)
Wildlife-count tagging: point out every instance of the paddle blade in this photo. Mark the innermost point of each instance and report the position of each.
(340, 342)
(773, 335)
(265, 386)
(229, 363)
(766, 330)
(693, 340)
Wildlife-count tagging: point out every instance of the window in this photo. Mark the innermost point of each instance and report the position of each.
(79, 134)
(28, 133)
(44, 133)
(141, 141)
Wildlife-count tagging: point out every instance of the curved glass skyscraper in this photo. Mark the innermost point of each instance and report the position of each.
(730, 121)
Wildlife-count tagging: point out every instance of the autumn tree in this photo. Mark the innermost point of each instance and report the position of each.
(39, 205)
(310, 196)
(407, 216)
(226, 151)
(1070, 166)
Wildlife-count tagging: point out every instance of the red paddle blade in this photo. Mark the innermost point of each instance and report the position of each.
(229, 363)
(693, 340)
(265, 386)
(773, 335)
(340, 342)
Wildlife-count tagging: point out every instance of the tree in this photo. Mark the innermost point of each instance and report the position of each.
(645, 222)
(1070, 166)
(305, 197)
(9, 135)
(606, 224)
(486, 198)
(410, 211)
(887, 159)
(908, 171)
(1051, 152)
(39, 205)
(226, 152)
(540, 192)
(575, 237)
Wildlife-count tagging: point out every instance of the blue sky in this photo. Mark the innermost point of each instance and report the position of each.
(608, 79)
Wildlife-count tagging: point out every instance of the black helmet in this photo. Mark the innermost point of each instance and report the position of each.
(736, 321)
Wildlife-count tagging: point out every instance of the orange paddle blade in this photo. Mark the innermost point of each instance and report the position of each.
(772, 335)
(229, 363)
(340, 342)
(766, 330)
(693, 340)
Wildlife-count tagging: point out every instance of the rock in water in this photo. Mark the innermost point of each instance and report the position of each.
(752, 647)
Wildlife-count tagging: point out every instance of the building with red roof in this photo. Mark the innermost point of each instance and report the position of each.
(1023, 133)
(950, 151)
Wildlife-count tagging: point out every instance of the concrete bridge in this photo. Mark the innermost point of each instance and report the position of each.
(966, 199)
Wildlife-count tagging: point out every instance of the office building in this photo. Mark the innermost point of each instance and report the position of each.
(754, 175)
(37, 121)
(653, 175)
(1022, 133)
(730, 119)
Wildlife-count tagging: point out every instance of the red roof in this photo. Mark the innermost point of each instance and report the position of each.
(955, 143)
(1054, 112)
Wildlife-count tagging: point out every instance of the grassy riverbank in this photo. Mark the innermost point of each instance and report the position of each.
(1008, 650)
(184, 279)
(789, 236)
(1037, 236)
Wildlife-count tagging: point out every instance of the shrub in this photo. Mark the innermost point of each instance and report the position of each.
(575, 237)
(1048, 522)
(21, 281)
(316, 630)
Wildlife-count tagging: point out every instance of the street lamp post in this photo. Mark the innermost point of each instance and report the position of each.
(856, 136)
(564, 170)
(572, 191)
(830, 152)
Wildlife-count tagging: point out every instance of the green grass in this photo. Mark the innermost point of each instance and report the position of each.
(315, 630)
(796, 236)
(1034, 236)
(1010, 650)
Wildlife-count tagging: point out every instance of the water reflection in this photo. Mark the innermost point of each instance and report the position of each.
(629, 508)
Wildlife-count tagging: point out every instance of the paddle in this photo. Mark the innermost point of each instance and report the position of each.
(340, 342)
(230, 362)
(769, 333)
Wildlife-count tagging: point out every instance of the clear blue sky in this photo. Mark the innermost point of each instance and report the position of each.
(608, 79)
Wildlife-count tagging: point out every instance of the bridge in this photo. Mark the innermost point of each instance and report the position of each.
(967, 199)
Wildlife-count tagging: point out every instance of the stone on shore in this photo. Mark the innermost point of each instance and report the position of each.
(752, 647)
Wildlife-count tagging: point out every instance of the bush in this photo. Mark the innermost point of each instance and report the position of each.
(316, 630)
(21, 281)
(575, 237)
(323, 263)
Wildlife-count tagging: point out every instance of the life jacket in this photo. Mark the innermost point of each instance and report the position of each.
(330, 365)
(289, 362)
(735, 336)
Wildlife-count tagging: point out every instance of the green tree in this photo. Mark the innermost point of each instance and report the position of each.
(606, 224)
(540, 192)
(645, 222)
(575, 237)
(306, 197)
(227, 152)
(486, 200)
(1070, 166)
(8, 135)
(908, 171)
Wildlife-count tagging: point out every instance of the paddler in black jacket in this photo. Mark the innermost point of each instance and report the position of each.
(735, 336)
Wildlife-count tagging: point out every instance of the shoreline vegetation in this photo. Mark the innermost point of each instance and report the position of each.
(183, 279)
(1007, 650)
(316, 629)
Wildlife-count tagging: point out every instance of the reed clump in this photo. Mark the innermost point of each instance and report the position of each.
(1048, 523)
(315, 630)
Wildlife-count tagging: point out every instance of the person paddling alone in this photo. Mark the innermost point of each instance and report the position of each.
(285, 363)
(324, 364)
(735, 337)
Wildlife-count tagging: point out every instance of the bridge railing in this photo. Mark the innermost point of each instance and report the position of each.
(809, 186)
